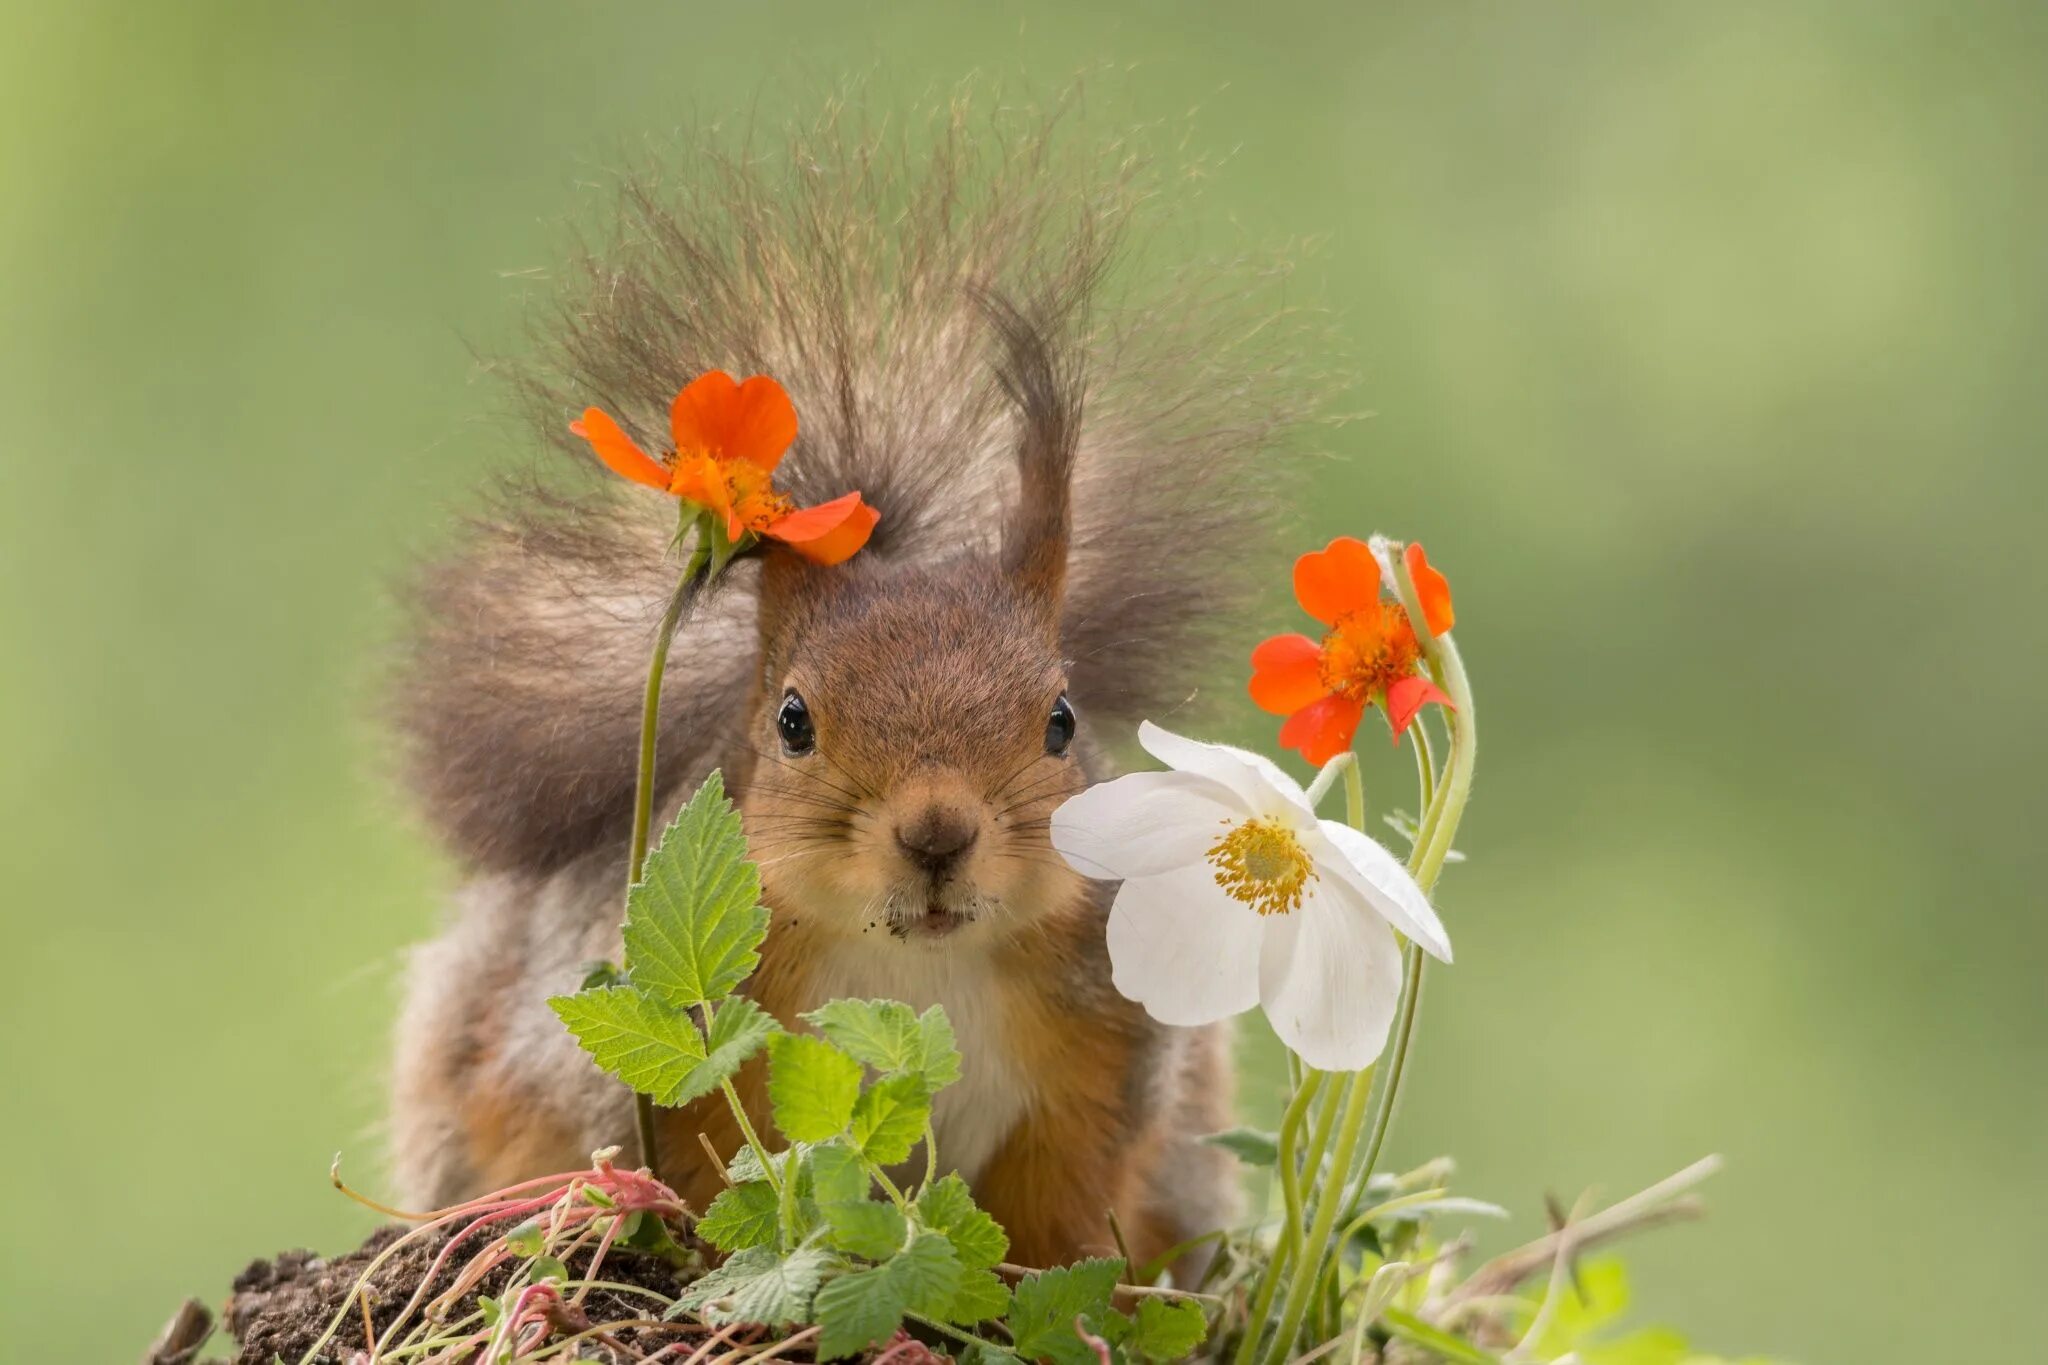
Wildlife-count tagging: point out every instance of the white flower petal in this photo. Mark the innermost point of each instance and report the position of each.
(1143, 824)
(1380, 877)
(1330, 978)
(1182, 948)
(1257, 780)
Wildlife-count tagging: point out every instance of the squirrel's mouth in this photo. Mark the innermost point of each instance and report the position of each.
(936, 921)
(929, 913)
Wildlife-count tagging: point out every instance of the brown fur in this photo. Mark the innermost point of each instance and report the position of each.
(1070, 486)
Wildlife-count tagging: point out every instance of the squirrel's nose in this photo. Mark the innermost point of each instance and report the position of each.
(936, 839)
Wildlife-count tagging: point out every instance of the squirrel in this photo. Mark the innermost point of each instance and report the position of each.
(1074, 495)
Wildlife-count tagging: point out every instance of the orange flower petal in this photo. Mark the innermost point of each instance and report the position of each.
(1408, 696)
(697, 479)
(1287, 674)
(1322, 730)
(830, 532)
(1432, 588)
(617, 450)
(1340, 579)
(754, 421)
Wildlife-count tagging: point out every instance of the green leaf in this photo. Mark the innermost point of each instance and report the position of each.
(939, 1052)
(947, 1206)
(862, 1308)
(836, 1173)
(981, 1297)
(738, 1029)
(865, 1227)
(812, 1087)
(527, 1239)
(1411, 1328)
(858, 1310)
(650, 1047)
(888, 1036)
(741, 1217)
(694, 920)
(1043, 1308)
(745, 1165)
(1249, 1145)
(1168, 1329)
(890, 1118)
(757, 1285)
(929, 1271)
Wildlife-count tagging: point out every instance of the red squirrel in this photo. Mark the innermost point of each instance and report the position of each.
(1072, 489)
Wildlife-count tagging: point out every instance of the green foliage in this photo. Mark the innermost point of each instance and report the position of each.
(694, 925)
(946, 1205)
(890, 1117)
(1167, 1330)
(817, 1234)
(1250, 1145)
(812, 1087)
(1045, 1306)
(891, 1038)
(865, 1227)
(741, 1217)
(695, 922)
(758, 1285)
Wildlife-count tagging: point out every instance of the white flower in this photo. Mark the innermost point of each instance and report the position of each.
(1234, 894)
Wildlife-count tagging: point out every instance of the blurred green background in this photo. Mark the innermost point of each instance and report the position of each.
(1704, 346)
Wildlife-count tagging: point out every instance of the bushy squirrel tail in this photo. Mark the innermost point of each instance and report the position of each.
(873, 275)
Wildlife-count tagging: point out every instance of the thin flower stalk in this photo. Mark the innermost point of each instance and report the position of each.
(1302, 1254)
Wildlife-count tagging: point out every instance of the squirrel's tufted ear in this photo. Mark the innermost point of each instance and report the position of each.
(1039, 368)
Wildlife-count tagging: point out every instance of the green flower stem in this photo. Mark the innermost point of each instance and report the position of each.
(1307, 1271)
(1304, 1265)
(1287, 1240)
(1326, 776)
(1308, 1085)
(694, 576)
(1432, 845)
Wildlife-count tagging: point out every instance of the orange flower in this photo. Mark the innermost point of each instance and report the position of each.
(1369, 655)
(729, 437)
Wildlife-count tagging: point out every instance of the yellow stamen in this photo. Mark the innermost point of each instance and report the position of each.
(1262, 864)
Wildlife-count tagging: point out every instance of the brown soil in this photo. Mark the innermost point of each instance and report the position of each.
(281, 1307)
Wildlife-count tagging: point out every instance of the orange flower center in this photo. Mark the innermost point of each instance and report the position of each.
(741, 486)
(1368, 651)
(754, 499)
(1263, 865)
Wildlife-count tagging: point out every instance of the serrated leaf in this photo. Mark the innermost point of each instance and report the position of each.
(1168, 1330)
(867, 1228)
(746, 1166)
(888, 1036)
(757, 1285)
(741, 1217)
(836, 1173)
(652, 1048)
(929, 1271)
(890, 1118)
(981, 1297)
(694, 920)
(1250, 1145)
(939, 1051)
(812, 1087)
(738, 1029)
(1043, 1308)
(948, 1206)
(857, 1310)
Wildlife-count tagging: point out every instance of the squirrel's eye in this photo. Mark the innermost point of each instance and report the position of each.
(1059, 727)
(793, 723)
